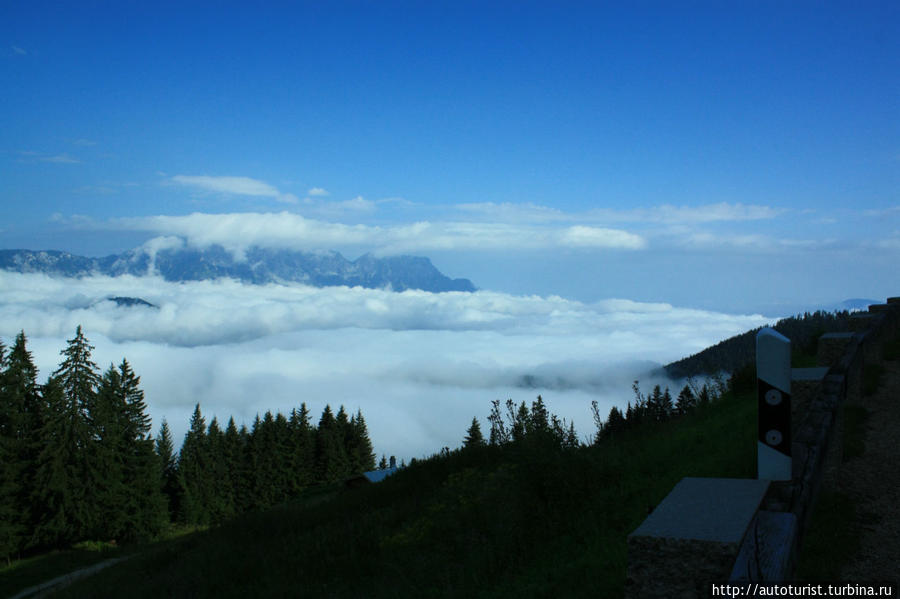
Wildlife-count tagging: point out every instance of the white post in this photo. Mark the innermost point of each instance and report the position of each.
(773, 373)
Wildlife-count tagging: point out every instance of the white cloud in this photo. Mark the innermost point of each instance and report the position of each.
(418, 364)
(662, 214)
(19, 51)
(234, 186)
(317, 192)
(597, 237)
(679, 215)
(60, 159)
(237, 231)
(509, 212)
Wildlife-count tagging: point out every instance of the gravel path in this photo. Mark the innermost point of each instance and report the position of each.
(873, 481)
(51, 586)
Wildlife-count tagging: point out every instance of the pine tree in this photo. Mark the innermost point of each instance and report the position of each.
(107, 455)
(473, 438)
(67, 484)
(685, 402)
(331, 459)
(194, 474)
(499, 433)
(233, 456)
(615, 423)
(11, 525)
(360, 450)
(666, 407)
(302, 448)
(22, 416)
(169, 485)
(222, 501)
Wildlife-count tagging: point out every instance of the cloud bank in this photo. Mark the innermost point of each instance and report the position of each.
(237, 231)
(419, 365)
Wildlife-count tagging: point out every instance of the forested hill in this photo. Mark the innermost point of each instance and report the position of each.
(735, 352)
(257, 265)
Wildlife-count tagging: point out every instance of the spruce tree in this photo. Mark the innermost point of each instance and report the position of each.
(21, 406)
(362, 455)
(194, 474)
(67, 483)
(685, 402)
(108, 455)
(331, 458)
(474, 438)
(165, 451)
(11, 525)
(148, 513)
(302, 448)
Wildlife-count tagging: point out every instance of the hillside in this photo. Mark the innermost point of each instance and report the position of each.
(523, 519)
(257, 266)
(735, 352)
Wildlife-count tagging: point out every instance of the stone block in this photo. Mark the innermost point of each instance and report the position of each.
(769, 551)
(860, 321)
(806, 384)
(692, 538)
(831, 347)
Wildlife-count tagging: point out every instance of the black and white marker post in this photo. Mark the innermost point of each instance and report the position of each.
(773, 373)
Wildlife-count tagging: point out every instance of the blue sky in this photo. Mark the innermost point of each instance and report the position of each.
(732, 156)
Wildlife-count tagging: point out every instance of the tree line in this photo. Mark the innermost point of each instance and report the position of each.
(519, 425)
(78, 460)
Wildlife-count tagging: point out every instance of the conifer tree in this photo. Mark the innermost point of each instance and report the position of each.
(233, 456)
(21, 402)
(194, 474)
(107, 455)
(359, 448)
(473, 438)
(685, 402)
(222, 497)
(67, 483)
(499, 433)
(302, 449)
(59, 497)
(169, 485)
(11, 525)
(615, 423)
(331, 458)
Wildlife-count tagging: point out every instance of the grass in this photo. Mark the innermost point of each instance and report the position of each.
(496, 522)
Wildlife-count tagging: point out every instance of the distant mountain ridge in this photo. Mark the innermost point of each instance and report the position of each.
(260, 266)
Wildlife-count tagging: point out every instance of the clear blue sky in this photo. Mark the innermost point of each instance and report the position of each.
(697, 153)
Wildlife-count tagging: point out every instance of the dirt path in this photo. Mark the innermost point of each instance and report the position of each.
(46, 588)
(873, 481)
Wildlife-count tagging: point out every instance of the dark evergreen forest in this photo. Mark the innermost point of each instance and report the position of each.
(79, 460)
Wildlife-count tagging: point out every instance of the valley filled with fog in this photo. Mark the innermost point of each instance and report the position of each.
(420, 365)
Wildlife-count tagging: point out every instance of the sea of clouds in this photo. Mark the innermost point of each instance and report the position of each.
(419, 365)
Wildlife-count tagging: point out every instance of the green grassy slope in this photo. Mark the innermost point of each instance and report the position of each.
(517, 520)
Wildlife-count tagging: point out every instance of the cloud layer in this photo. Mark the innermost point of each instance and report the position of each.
(237, 231)
(419, 365)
